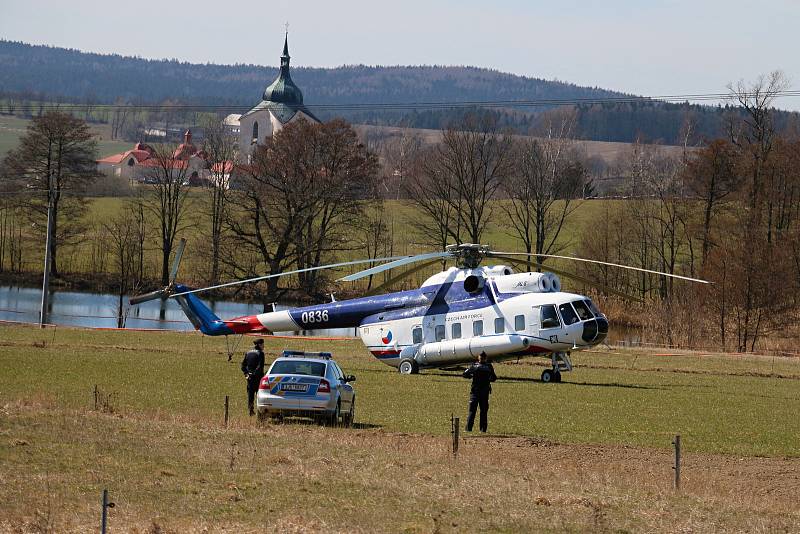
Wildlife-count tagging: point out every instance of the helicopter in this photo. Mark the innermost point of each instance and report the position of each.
(448, 321)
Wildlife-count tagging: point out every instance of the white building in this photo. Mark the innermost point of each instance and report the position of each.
(281, 104)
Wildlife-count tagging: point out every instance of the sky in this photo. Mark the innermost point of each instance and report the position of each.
(643, 47)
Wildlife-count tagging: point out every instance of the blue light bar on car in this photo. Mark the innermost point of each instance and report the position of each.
(304, 354)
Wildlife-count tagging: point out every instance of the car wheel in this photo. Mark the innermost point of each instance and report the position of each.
(350, 416)
(333, 419)
(408, 367)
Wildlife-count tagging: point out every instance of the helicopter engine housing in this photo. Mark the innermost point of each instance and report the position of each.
(528, 283)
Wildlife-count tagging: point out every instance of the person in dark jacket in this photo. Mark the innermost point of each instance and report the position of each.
(482, 375)
(253, 369)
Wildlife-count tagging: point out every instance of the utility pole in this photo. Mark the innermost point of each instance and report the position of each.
(47, 259)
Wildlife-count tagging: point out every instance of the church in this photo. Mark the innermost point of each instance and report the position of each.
(281, 104)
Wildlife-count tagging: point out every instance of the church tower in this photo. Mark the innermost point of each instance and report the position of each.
(281, 103)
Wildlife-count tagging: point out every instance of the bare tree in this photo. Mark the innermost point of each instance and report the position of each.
(123, 242)
(167, 199)
(754, 134)
(758, 263)
(540, 195)
(459, 178)
(219, 147)
(376, 238)
(712, 176)
(301, 191)
(431, 198)
(400, 154)
(119, 117)
(57, 151)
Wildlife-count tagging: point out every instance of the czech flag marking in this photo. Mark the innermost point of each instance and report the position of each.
(388, 338)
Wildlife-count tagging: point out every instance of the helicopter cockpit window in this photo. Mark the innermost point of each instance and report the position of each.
(583, 310)
(592, 307)
(456, 331)
(548, 317)
(440, 332)
(519, 323)
(477, 328)
(416, 334)
(499, 325)
(568, 314)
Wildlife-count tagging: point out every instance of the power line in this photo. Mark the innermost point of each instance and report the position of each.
(400, 106)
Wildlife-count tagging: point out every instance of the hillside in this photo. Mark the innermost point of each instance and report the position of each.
(59, 74)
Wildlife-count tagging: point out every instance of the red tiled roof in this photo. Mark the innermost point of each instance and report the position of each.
(115, 159)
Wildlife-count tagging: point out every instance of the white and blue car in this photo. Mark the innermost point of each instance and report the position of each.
(307, 384)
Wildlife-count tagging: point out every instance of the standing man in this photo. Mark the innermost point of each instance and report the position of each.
(253, 369)
(482, 375)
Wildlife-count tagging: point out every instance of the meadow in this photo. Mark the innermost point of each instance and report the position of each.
(12, 128)
(591, 453)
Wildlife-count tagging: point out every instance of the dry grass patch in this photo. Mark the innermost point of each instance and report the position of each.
(192, 476)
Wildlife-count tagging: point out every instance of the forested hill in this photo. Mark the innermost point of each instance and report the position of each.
(43, 72)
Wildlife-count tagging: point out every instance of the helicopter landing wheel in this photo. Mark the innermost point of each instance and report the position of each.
(408, 367)
(548, 376)
(557, 376)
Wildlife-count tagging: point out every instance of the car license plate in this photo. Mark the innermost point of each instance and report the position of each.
(294, 387)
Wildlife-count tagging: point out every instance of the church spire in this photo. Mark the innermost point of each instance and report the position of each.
(285, 56)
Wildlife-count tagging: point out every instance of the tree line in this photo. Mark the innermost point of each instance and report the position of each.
(36, 75)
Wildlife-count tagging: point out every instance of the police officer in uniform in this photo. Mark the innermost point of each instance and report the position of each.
(253, 369)
(482, 375)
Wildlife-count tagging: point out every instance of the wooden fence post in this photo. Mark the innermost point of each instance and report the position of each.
(677, 466)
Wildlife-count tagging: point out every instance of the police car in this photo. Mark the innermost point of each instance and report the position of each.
(307, 384)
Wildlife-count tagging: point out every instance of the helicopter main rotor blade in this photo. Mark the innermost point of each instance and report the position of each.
(401, 276)
(296, 271)
(598, 262)
(153, 295)
(397, 263)
(177, 261)
(573, 276)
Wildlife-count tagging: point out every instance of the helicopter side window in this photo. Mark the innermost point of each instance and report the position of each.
(416, 334)
(440, 332)
(519, 322)
(499, 325)
(456, 331)
(477, 328)
(548, 317)
(583, 311)
(568, 314)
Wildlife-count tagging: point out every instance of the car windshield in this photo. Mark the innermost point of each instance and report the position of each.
(297, 367)
(583, 311)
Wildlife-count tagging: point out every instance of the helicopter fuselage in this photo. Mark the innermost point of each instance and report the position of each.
(451, 318)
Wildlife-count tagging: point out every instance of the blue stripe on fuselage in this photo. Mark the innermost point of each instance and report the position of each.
(350, 313)
(449, 297)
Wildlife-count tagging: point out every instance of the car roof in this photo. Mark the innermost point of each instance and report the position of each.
(296, 359)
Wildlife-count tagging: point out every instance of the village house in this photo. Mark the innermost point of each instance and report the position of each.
(281, 103)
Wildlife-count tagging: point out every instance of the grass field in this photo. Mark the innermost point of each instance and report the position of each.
(592, 453)
(12, 128)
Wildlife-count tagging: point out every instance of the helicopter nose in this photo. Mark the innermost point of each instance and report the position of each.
(595, 331)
